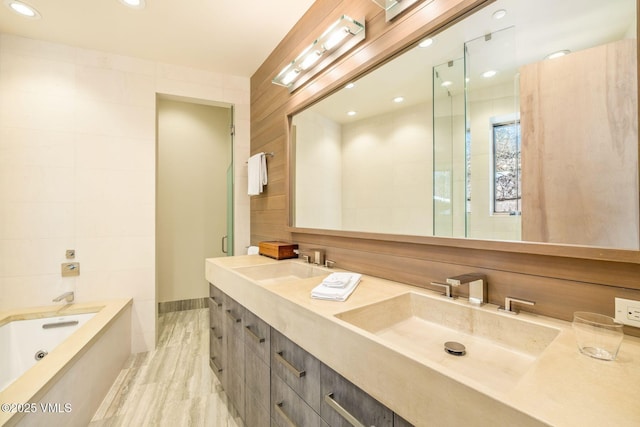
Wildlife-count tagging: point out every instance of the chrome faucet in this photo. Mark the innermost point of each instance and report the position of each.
(316, 257)
(508, 302)
(477, 286)
(67, 296)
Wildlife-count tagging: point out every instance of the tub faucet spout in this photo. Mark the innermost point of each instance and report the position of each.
(67, 296)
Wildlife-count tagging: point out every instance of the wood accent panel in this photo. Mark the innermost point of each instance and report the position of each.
(561, 203)
(561, 279)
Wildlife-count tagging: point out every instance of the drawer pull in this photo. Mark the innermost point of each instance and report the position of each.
(213, 330)
(253, 335)
(233, 318)
(289, 366)
(216, 303)
(278, 407)
(328, 398)
(215, 367)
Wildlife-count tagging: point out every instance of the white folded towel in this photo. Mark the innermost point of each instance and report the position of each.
(338, 280)
(333, 293)
(256, 174)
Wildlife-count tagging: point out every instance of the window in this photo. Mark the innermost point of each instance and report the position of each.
(507, 191)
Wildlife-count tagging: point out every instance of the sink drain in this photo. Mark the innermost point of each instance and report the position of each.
(454, 348)
(40, 354)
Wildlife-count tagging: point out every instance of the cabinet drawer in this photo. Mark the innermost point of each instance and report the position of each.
(287, 408)
(297, 368)
(215, 314)
(215, 293)
(236, 392)
(232, 317)
(342, 400)
(257, 336)
(257, 390)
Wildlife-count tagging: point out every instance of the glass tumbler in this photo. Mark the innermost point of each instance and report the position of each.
(597, 335)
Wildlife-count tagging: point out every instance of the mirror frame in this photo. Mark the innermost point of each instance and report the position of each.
(343, 71)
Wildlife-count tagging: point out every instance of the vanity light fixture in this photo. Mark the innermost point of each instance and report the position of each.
(489, 74)
(134, 4)
(22, 9)
(557, 54)
(341, 36)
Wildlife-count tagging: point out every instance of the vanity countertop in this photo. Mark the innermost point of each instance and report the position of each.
(561, 388)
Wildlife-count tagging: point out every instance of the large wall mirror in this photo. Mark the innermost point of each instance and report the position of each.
(518, 123)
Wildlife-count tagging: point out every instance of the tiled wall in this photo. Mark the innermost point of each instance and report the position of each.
(77, 171)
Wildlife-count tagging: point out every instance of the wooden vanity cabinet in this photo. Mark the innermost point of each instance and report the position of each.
(257, 341)
(342, 401)
(271, 381)
(234, 328)
(217, 350)
(398, 421)
(295, 384)
(297, 368)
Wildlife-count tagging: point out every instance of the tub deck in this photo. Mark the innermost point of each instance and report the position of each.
(40, 380)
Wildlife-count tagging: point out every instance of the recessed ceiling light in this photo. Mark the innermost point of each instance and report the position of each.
(134, 4)
(351, 113)
(350, 86)
(499, 14)
(22, 9)
(426, 42)
(446, 83)
(488, 74)
(398, 99)
(557, 54)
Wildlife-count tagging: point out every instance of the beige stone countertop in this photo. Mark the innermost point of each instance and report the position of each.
(562, 387)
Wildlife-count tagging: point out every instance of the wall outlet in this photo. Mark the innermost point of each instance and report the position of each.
(628, 312)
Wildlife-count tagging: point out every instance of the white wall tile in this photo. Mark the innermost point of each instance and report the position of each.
(77, 171)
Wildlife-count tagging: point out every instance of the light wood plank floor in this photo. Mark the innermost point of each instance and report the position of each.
(172, 385)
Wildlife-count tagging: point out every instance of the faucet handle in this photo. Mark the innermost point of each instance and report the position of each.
(509, 300)
(446, 286)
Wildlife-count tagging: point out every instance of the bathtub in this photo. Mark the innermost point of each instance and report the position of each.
(23, 343)
(86, 346)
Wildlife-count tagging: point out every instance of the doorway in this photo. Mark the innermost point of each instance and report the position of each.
(194, 197)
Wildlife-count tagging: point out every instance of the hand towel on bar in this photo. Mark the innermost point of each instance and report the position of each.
(256, 174)
(336, 294)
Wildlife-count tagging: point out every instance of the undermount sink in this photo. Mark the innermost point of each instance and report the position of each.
(498, 348)
(282, 271)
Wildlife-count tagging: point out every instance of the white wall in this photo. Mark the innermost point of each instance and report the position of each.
(77, 170)
(387, 165)
(318, 195)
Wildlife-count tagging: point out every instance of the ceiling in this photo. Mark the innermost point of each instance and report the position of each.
(230, 37)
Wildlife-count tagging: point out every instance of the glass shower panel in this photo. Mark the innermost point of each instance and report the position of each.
(492, 123)
(229, 239)
(449, 149)
(230, 188)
